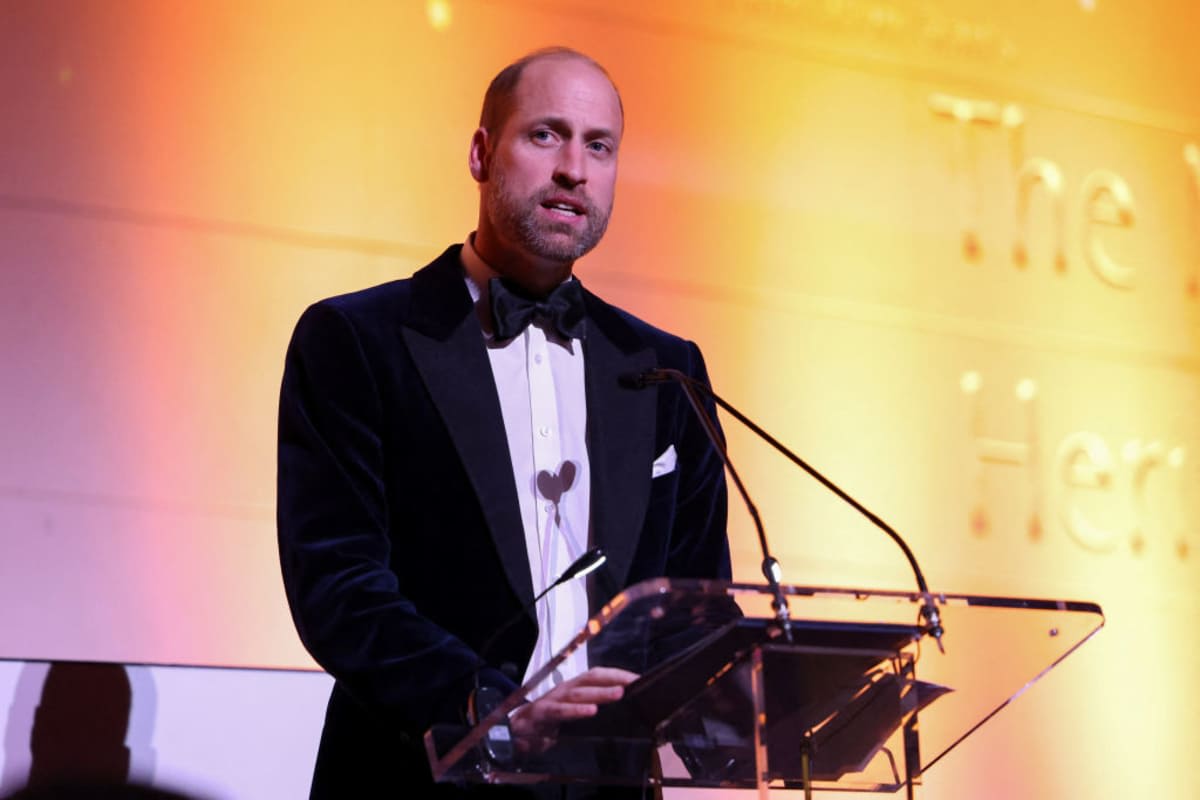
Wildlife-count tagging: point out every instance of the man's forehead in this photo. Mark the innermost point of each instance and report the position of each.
(570, 80)
(561, 63)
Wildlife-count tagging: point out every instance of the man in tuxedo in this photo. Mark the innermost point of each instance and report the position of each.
(450, 443)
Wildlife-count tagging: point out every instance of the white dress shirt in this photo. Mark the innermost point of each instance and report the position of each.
(540, 379)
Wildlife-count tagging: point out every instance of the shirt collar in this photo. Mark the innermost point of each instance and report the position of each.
(477, 273)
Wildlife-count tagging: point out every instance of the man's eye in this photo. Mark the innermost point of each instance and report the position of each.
(542, 136)
(599, 147)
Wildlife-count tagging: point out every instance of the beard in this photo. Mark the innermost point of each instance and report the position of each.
(516, 218)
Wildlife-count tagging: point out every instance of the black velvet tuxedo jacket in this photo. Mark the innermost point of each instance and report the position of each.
(400, 533)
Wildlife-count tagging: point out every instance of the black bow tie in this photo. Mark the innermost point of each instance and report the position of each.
(513, 310)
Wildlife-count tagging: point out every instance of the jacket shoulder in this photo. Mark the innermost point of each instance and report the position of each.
(632, 333)
(390, 301)
(384, 299)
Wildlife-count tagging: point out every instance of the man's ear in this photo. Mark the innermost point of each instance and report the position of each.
(479, 157)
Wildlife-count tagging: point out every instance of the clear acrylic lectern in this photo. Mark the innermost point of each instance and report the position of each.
(726, 700)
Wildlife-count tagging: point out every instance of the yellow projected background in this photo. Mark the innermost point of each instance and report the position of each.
(948, 251)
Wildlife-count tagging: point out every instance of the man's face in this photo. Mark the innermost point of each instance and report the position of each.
(549, 171)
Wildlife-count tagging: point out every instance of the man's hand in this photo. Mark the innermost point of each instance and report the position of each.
(535, 725)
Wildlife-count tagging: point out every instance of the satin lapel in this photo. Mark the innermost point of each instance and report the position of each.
(447, 347)
(621, 437)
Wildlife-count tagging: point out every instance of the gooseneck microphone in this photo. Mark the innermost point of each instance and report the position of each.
(770, 566)
(929, 612)
(485, 698)
(586, 564)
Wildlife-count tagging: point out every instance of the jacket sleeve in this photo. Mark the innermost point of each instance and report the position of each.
(336, 534)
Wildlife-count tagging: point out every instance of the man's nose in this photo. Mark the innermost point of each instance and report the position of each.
(571, 169)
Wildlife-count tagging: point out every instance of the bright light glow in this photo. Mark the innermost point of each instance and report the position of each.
(439, 14)
(1176, 457)
(1012, 116)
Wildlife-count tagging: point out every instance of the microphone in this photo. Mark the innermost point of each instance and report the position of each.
(770, 566)
(649, 377)
(640, 380)
(484, 699)
(586, 564)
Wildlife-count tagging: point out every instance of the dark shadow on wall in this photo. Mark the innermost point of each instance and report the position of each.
(77, 743)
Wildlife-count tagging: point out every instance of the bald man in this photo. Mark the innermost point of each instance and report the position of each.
(451, 442)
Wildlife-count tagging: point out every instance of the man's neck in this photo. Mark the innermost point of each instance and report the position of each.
(537, 278)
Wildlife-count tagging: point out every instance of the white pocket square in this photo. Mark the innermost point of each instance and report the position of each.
(664, 464)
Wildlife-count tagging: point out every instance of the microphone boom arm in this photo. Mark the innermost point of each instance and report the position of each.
(929, 610)
(770, 566)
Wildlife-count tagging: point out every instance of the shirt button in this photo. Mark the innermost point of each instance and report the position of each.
(543, 431)
(537, 358)
(549, 507)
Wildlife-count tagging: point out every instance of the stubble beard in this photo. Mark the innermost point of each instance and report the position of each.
(517, 218)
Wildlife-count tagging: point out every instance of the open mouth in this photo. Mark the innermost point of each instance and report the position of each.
(565, 207)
